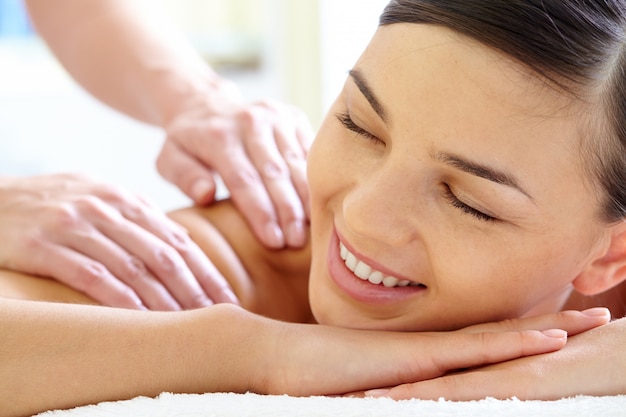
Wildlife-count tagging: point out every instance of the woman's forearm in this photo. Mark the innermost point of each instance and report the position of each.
(125, 54)
(60, 356)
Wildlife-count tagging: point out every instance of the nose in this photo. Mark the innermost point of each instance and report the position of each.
(381, 206)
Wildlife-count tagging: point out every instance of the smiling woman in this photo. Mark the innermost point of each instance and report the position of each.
(452, 184)
(448, 187)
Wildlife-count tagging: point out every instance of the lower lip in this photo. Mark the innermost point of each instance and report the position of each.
(363, 290)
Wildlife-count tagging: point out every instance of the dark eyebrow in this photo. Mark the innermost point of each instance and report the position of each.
(482, 171)
(367, 92)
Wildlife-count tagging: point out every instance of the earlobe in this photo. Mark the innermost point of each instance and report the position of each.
(608, 270)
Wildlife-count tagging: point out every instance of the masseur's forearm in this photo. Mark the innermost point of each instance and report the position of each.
(60, 356)
(126, 55)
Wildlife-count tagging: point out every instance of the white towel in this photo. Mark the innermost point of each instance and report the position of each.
(254, 405)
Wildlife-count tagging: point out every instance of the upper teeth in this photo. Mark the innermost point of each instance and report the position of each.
(367, 273)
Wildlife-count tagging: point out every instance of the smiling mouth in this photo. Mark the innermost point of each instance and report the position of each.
(366, 273)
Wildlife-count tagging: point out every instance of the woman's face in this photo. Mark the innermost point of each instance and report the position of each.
(453, 175)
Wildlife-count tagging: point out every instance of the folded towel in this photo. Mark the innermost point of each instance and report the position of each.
(254, 405)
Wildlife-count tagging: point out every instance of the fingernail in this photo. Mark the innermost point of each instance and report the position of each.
(597, 312)
(274, 236)
(377, 392)
(555, 333)
(295, 234)
(202, 191)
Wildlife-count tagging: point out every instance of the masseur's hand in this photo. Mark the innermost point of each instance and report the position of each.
(105, 242)
(368, 359)
(259, 150)
(592, 363)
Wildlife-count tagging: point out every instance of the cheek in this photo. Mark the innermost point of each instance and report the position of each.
(323, 163)
(514, 277)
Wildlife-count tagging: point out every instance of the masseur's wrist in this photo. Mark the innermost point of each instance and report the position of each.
(204, 96)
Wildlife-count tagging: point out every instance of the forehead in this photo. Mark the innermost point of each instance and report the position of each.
(427, 62)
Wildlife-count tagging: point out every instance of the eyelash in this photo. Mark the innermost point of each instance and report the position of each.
(348, 123)
(465, 208)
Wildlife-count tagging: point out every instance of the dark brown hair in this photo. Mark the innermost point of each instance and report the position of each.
(577, 45)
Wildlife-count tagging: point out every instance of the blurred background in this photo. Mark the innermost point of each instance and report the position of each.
(297, 51)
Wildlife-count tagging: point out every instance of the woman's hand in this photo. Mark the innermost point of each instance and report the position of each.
(224, 348)
(105, 242)
(592, 363)
(360, 360)
(259, 150)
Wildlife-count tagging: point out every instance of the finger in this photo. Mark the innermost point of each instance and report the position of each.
(487, 348)
(161, 259)
(134, 236)
(305, 135)
(459, 387)
(263, 137)
(208, 276)
(293, 145)
(87, 240)
(295, 152)
(523, 378)
(210, 280)
(227, 156)
(298, 168)
(250, 196)
(187, 173)
(573, 322)
(293, 120)
(85, 275)
(480, 349)
(127, 268)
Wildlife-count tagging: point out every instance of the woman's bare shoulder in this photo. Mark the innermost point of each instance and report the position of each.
(28, 287)
(269, 282)
(272, 283)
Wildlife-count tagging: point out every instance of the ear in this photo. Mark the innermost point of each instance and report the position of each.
(609, 269)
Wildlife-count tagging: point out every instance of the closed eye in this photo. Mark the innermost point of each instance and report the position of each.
(348, 123)
(455, 202)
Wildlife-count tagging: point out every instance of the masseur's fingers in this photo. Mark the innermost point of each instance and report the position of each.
(185, 170)
(259, 150)
(176, 261)
(106, 242)
(169, 254)
(267, 141)
(87, 276)
(110, 246)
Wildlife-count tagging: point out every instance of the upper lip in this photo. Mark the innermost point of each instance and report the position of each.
(370, 262)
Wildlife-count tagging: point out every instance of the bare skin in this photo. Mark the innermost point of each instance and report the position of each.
(222, 234)
(108, 353)
(269, 282)
(80, 231)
